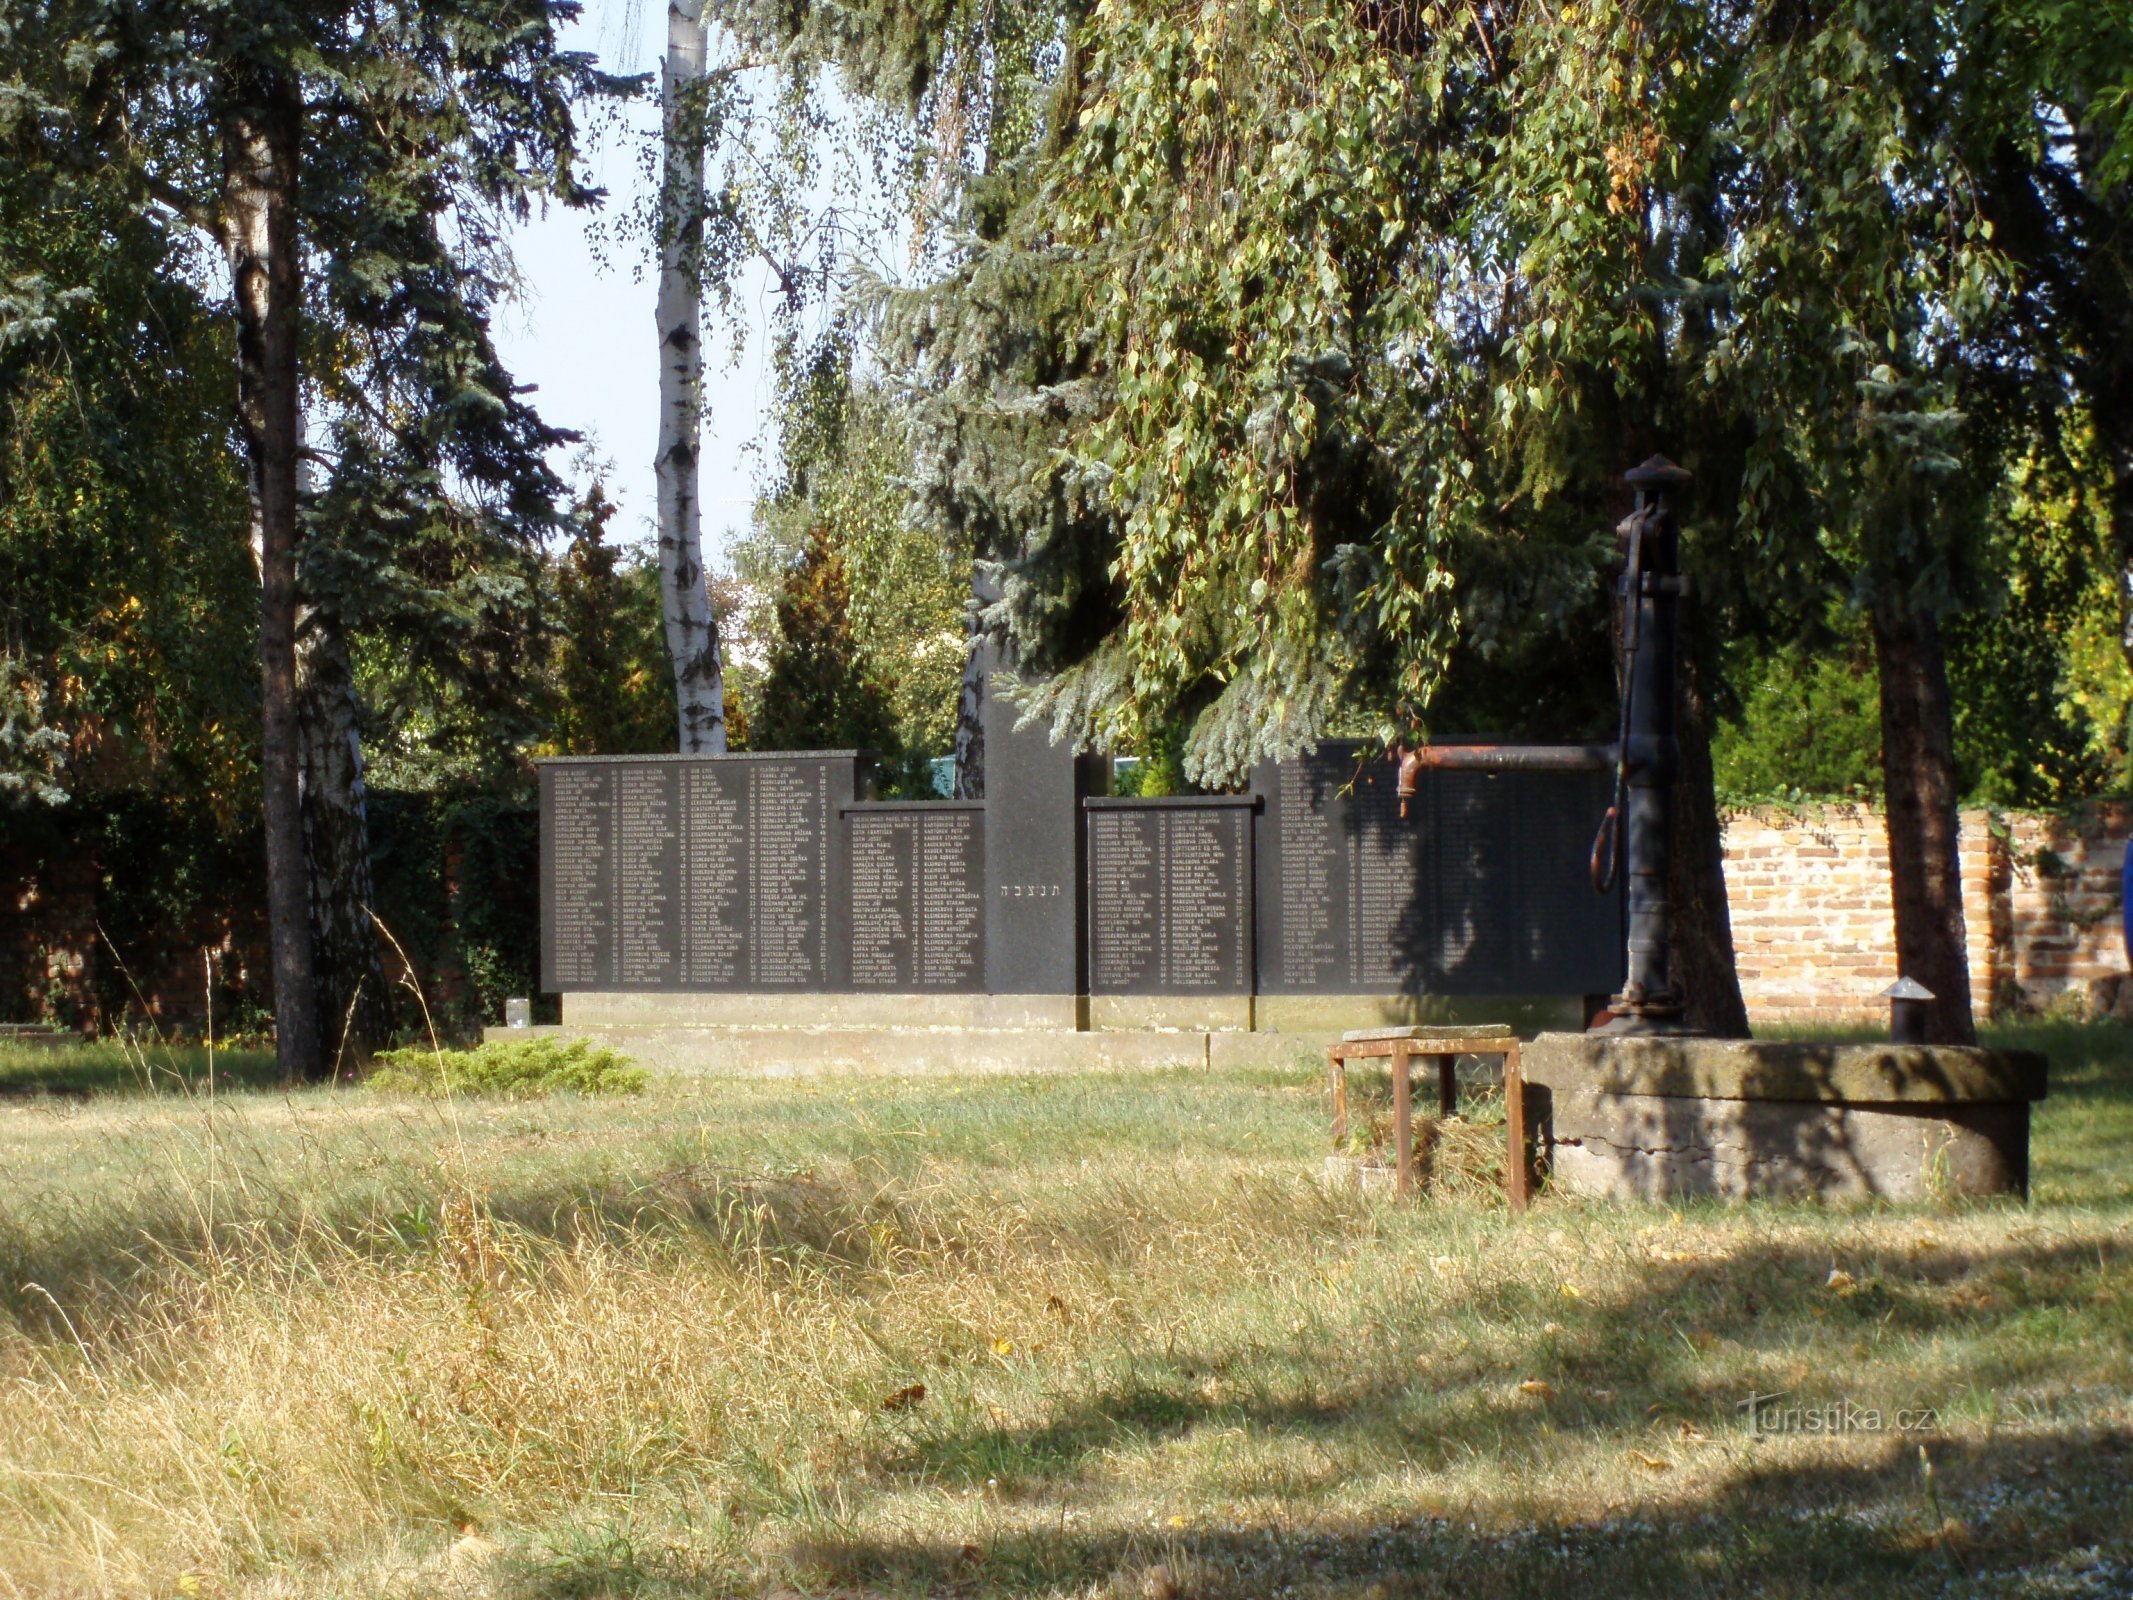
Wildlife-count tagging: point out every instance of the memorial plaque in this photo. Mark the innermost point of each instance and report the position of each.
(1170, 896)
(1308, 890)
(694, 872)
(715, 875)
(917, 877)
(1482, 889)
(577, 877)
(1033, 853)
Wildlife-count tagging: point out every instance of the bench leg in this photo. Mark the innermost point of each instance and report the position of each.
(1447, 1086)
(1403, 1124)
(1518, 1177)
(1337, 1081)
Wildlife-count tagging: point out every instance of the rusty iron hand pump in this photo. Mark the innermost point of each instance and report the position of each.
(1647, 756)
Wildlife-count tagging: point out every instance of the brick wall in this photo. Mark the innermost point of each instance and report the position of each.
(1814, 936)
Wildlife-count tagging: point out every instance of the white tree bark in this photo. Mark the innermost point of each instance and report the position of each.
(692, 630)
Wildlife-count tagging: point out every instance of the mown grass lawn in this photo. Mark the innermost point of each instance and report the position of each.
(1044, 1336)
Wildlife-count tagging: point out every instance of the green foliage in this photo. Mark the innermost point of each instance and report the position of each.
(2040, 682)
(1809, 725)
(513, 1070)
(819, 689)
(458, 885)
(613, 689)
(1284, 369)
(127, 597)
(846, 462)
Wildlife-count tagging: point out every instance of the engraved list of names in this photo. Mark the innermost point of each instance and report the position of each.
(1169, 899)
(917, 897)
(687, 874)
(788, 816)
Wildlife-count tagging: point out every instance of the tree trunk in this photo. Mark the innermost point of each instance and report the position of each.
(969, 714)
(1703, 925)
(354, 1004)
(1918, 777)
(692, 630)
(2105, 373)
(261, 134)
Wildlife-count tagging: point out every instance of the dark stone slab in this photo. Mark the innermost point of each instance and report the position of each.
(696, 872)
(1483, 888)
(917, 899)
(1033, 854)
(1170, 895)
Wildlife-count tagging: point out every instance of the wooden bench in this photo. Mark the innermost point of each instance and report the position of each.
(1402, 1045)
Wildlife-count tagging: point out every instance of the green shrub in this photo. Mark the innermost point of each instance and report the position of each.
(517, 1070)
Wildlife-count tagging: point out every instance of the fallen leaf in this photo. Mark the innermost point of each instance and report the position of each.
(1539, 1386)
(1840, 1281)
(1653, 1463)
(905, 1398)
(1058, 1308)
(1551, 1327)
(1003, 1347)
(1572, 1292)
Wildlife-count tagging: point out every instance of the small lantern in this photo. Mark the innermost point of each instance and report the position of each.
(518, 1013)
(1907, 999)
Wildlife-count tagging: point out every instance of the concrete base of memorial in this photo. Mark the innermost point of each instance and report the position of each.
(1665, 1119)
(1330, 1014)
(808, 1052)
(787, 1034)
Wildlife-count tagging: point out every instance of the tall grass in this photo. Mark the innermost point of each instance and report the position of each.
(1103, 1335)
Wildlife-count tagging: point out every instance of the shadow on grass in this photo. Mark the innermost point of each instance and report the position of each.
(83, 1071)
(2021, 1516)
(2040, 1501)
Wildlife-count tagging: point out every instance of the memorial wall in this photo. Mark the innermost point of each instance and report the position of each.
(774, 872)
(1170, 895)
(1483, 888)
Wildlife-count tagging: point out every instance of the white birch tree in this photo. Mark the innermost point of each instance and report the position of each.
(685, 595)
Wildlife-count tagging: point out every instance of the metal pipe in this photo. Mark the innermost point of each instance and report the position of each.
(1513, 757)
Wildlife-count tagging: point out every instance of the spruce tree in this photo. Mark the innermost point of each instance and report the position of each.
(355, 165)
(818, 690)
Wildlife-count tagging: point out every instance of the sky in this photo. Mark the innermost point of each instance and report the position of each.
(582, 334)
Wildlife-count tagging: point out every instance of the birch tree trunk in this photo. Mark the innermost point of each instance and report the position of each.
(685, 596)
(262, 129)
(355, 1012)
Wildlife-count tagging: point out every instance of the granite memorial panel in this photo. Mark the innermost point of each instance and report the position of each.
(1034, 905)
(695, 872)
(917, 905)
(1170, 895)
(1482, 889)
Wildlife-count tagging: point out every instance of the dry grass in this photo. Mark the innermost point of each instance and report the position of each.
(1064, 1336)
